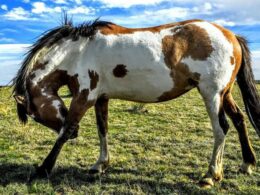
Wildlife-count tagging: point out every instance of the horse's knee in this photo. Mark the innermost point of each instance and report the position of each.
(51, 113)
(69, 131)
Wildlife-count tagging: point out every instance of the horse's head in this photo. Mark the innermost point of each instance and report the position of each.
(21, 108)
(49, 111)
(25, 108)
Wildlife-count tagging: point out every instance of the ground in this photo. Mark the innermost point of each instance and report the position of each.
(163, 151)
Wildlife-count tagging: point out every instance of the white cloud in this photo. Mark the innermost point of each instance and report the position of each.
(10, 60)
(13, 48)
(155, 17)
(255, 63)
(207, 6)
(238, 11)
(26, 1)
(7, 40)
(17, 13)
(8, 69)
(78, 2)
(81, 10)
(4, 7)
(129, 3)
(223, 22)
(40, 7)
(60, 1)
(256, 54)
(9, 30)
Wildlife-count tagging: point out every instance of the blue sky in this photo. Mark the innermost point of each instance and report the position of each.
(22, 21)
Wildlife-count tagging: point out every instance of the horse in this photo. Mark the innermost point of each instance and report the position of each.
(100, 60)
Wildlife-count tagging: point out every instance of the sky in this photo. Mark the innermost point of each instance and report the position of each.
(22, 21)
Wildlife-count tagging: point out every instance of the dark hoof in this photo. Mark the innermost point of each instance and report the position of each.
(40, 173)
(74, 134)
(93, 171)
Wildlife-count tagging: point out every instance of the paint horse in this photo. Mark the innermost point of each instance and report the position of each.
(100, 60)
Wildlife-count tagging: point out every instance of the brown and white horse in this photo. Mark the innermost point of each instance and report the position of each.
(101, 60)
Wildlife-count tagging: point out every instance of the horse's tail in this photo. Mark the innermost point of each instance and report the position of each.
(246, 83)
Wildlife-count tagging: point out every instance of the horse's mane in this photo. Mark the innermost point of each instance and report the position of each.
(50, 37)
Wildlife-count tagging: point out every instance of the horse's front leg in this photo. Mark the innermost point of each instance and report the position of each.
(66, 133)
(101, 109)
(78, 107)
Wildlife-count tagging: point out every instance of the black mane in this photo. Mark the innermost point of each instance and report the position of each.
(50, 37)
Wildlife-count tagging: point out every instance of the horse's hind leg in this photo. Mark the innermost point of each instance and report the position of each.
(213, 102)
(237, 117)
(78, 107)
(101, 109)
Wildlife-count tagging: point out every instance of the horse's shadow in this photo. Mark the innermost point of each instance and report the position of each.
(20, 173)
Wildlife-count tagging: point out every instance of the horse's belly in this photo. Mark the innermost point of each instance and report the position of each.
(139, 85)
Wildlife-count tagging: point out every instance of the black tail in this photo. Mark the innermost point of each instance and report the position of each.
(246, 82)
(21, 111)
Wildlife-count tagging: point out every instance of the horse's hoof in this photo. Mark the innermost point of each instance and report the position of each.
(98, 168)
(245, 168)
(74, 134)
(206, 182)
(93, 171)
(40, 173)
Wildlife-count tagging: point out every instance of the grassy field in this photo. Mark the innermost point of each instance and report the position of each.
(163, 151)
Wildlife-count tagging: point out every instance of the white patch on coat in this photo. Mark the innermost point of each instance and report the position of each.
(61, 133)
(147, 78)
(56, 105)
(43, 91)
(66, 53)
(215, 72)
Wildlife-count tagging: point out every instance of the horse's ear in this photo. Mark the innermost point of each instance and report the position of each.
(20, 99)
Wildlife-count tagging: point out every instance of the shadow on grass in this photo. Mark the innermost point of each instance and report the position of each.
(77, 177)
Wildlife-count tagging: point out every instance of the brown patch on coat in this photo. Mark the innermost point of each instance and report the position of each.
(94, 77)
(232, 60)
(101, 110)
(223, 119)
(120, 70)
(79, 104)
(39, 65)
(113, 29)
(190, 41)
(73, 84)
(183, 81)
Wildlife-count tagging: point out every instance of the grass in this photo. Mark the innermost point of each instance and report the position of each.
(163, 151)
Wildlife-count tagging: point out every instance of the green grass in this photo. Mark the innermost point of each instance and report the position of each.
(164, 151)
